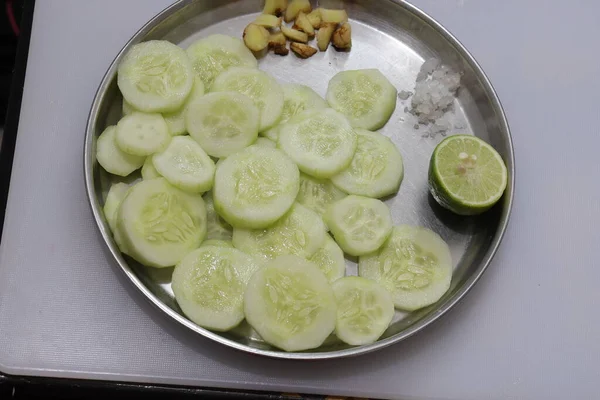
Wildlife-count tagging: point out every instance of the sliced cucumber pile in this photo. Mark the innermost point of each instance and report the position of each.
(414, 265)
(360, 225)
(300, 232)
(255, 187)
(215, 53)
(185, 165)
(290, 304)
(160, 224)
(223, 123)
(248, 236)
(364, 310)
(376, 169)
(259, 86)
(209, 286)
(155, 76)
(365, 96)
(321, 142)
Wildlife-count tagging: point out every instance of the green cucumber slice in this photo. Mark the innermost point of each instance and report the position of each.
(376, 169)
(176, 120)
(330, 260)
(112, 158)
(262, 88)
(155, 76)
(142, 134)
(359, 224)
(290, 304)
(115, 196)
(296, 99)
(217, 227)
(264, 142)
(255, 187)
(365, 96)
(317, 194)
(209, 285)
(300, 232)
(414, 265)
(160, 224)
(127, 108)
(364, 310)
(223, 123)
(321, 142)
(217, 242)
(185, 165)
(148, 170)
(215, 53)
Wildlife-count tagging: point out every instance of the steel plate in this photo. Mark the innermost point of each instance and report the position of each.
(394, 37)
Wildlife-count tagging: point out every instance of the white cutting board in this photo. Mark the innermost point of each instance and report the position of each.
(529, 329)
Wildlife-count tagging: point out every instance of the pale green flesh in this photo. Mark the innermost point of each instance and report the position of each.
(470, 171)
(223, 123)
(185, 165)
(414, 265)
(316, 194)
(216, 53)
(155, 76)
(160, 223)
(359, 224)
(263, 89)
(290, 304)
(365, 310)
(300, 232)
(176, 120)
(217, 242)
(217, 227)
(148, 170)
(330, 260)
(115, 195)
(264, 142)
(255, 187)
(209, 285)
(366, 97)
(112, 158)
(297, 99)
(142, 134)
(376, 169)
(321, 142)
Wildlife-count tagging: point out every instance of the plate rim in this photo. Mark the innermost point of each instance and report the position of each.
(443, 309)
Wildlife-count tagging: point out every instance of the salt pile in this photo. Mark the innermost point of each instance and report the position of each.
(434, 94)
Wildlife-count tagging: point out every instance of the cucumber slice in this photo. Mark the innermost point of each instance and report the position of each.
(330, 260)
(290, 304)
(264, 142)
(259, 86)
(155, 76)
(296, 99)
(217, 227)
(176, 120)
(359, 224)
(142, 134)
(364, 310)
(148, 170)
(115, 195)
(300, 232)
(127, 108)
(215, 53)
(217, 242)
(376, 169)
(223, 123)
(317, 194)
(414, 265)
(321, 142)
(209, 285)
(365, 96)
(160, 223)
(185, 165)
(255, 187)
(113, 159)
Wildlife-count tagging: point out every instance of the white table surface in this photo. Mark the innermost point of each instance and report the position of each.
(528, 330)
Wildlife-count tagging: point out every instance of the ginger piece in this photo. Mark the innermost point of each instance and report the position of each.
(281, 50)
(324, 35)
(341, 38)
(295, 7)
(277, 39)
(302, 23)
(294, 34)
(256, 37)
(268, 21)
(275, 7)
(315, 18)
(335, 16)
(302, 50)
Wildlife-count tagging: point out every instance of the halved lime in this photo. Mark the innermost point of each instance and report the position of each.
(466, 175)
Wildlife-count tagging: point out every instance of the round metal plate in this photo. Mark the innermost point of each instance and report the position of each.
(394, 37)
